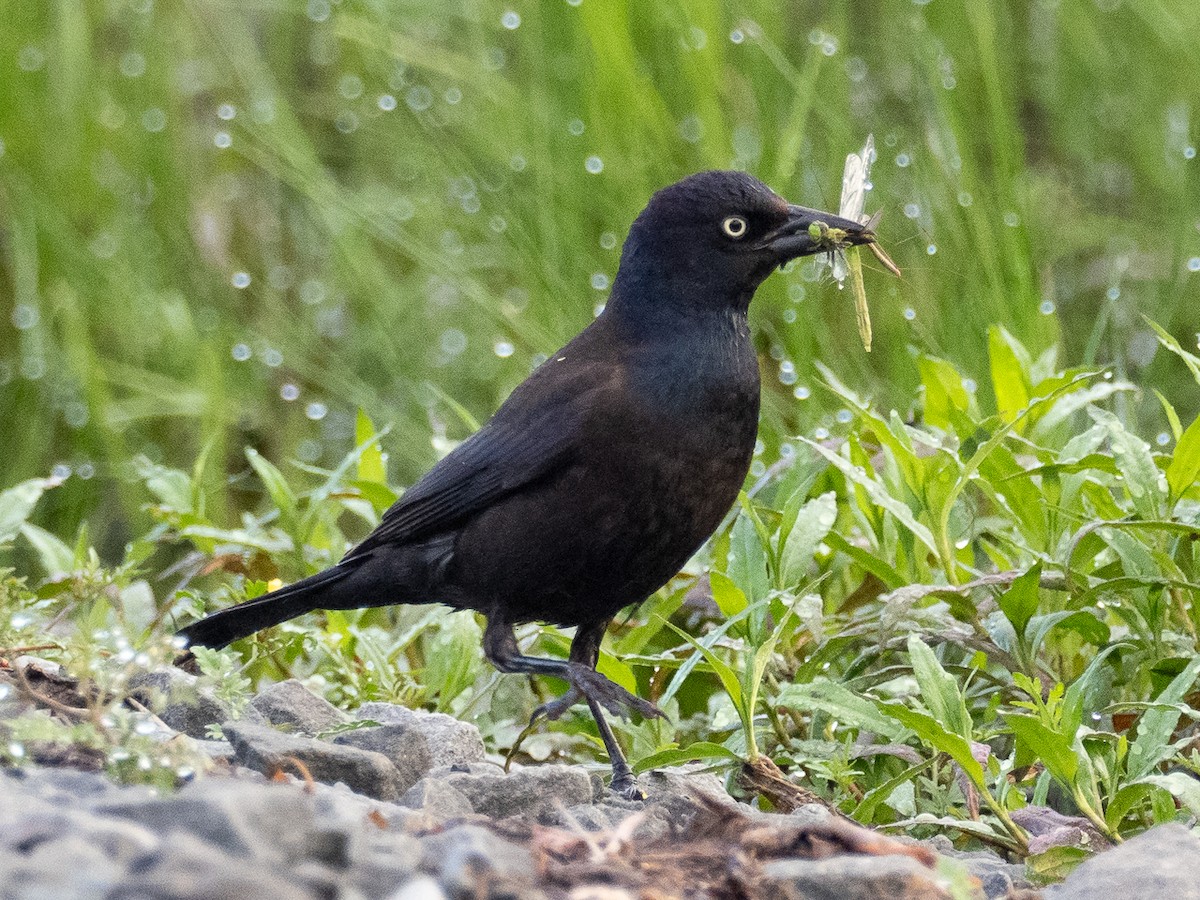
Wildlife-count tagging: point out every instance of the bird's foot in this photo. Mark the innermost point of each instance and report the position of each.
(591, 684)
(588, 683)
(625, 786)
(555, 708)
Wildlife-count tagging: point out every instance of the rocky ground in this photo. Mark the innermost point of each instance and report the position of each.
(410, 809)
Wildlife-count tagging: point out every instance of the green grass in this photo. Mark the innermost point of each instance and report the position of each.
(124, 223)
(406, 188)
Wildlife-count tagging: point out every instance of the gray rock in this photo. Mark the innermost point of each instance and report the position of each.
(186, 868)
(180, 701)
(422, 888)
(1159, 863)
(245, 820)
(437, 799)
(404, 745)
(269, 751)
(69, 868)
(292, 705)
(450, 741)
(470, 861)
(849, 877)
(526, 791)
(997, 877)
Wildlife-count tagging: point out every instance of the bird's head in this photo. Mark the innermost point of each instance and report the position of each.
(713, 237)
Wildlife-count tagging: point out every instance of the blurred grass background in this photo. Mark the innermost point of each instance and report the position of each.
(235, 224)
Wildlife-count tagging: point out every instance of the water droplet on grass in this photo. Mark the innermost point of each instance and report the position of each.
(912, 210)
(133, 64)
(910, 313)
(1189, 152)
(600, 281)
(1162, 439)
(240, 280)
(316, 411)
(608, 240)
(222, 140)
(503, 349)
(594, 165)
(386, 102)
(931, 249)
(844, 416)
(820, 433)
(802, 392)
(272, 358)
(511, 20)
(576, 127)
(1011, 219)
(25, 316)
(289, 392)
(903, 160)
(154, 120)
(1193, 264)
(241, 352)
(1046, 307)
(350, 86)
(419, 98)
(226, 111)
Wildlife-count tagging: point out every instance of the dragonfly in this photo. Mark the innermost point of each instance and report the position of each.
(843, 261)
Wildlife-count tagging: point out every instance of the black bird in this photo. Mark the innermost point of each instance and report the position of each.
(602, 473)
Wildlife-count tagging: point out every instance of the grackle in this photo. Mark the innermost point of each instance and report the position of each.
(604, 471)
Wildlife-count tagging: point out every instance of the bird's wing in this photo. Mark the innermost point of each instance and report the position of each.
(531, 436)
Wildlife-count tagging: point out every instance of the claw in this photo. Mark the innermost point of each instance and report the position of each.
(611, 696)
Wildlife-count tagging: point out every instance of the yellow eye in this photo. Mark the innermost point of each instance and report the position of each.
(734, 226)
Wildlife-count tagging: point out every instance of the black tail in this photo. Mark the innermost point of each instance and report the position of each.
(224, 627)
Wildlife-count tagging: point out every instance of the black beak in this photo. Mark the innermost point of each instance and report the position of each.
(806, 231)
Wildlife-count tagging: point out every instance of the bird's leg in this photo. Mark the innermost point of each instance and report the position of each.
(585, 650)
(500, 647)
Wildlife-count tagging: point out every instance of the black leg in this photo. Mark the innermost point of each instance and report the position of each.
(500, 647)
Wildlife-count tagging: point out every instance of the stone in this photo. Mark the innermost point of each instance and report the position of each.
(1159, 863)
(186, 868)
(437, 799)
(68, 868)
(243, 820)
(470, 861)
(268, 751)
(290, 704)
(450, 741)
(404, 745)
(180, 701)
(524, 791)
(422, 888)
(849, 877)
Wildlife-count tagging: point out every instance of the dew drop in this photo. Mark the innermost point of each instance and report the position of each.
(240, 280)
(903, 160)
(820, 433)
(241, 352)
(737, 36)
(1193, 264)
(386, 102)
(576, 127)
(802, 392)
(25, 316)
(273, 358)
(608, 240)
(1011, 219)
(503, 349)
(316, 411)
(1162, 439)
(511, 20)
(931, 249)
(1046, 307)
(910, 313)
(289, 392)
(594, 165)
(1189, 152)
(226, 111)
(600, 281)
(912, 210)
(222, 140)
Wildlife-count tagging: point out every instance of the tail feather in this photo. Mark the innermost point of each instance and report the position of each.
(223, 628)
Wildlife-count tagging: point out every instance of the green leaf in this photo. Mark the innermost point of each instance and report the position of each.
(17, 503)
(842, 703)
(1020, 602)
(748, 565)
(1056, 863)
(372, 466)
(878, 493)
(933, 733)
(615, 670)
(729, 679)
(277, 487)
(1053, 748)
(674, 756)
(1153, 743)
(1079, 694)
(1143, 480)
(939, 689)
(56, 556)
(1010, 374)
(1183, 787)
(1184, 467)
(944, 390)
(728, 596)
(813, 522)
(1168, 340)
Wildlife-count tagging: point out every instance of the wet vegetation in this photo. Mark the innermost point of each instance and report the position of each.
(962, 579)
